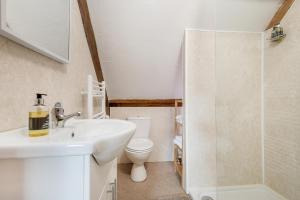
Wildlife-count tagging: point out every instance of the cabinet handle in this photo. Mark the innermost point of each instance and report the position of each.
(113, 190)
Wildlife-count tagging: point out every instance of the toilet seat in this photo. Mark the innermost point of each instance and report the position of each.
(137, 152)
(139, 145)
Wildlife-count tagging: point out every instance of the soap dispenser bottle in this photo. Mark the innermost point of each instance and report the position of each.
(39, 118)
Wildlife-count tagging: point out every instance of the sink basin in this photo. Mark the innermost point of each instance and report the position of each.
(103, 139)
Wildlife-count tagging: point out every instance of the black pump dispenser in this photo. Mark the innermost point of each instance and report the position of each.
(39, 99)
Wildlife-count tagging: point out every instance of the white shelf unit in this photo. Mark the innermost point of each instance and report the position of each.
(95, 91)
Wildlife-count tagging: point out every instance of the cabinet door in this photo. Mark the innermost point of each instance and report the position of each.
(110, 186)
(46, 178)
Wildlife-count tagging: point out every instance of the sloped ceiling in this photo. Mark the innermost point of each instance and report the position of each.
(140, 41)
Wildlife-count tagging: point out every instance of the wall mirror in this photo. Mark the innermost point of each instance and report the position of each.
(41, 25)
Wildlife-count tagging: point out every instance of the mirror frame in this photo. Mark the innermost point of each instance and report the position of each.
(6, 32)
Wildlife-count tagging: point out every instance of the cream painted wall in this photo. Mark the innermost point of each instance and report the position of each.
(223, 109)
(162, 129)
(238, 108)
(199, 101)
(237, 15)
(282, 110)
(138, 38)
(24, 72)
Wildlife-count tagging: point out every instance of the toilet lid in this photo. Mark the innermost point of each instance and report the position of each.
(140, 144)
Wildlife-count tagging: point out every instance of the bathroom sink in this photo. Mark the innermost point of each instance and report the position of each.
(103, 139)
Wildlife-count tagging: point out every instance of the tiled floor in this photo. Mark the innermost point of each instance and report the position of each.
(162, 183)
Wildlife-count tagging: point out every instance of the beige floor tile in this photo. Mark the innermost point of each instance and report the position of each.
(162, 183)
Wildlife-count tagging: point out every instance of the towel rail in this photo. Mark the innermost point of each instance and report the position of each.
(95, 91)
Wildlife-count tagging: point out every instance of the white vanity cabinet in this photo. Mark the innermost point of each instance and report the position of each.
(76, 162)
(59, 178)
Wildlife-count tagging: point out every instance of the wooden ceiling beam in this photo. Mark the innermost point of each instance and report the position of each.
(145, 103)
(91, 40)
(279, 15)
(90, 36)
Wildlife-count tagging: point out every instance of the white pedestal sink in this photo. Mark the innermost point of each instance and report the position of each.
(71, 163)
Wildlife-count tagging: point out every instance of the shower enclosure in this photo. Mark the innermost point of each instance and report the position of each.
(239, 119)
(257, 113)
(242, 110)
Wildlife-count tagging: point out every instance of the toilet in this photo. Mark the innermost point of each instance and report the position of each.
(139, 148)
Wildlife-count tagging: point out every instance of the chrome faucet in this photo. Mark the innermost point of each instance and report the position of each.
(60, 116)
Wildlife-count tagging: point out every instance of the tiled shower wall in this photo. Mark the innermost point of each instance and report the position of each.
(199, 101)
(282, 108)
(223, 109)
(238, 108)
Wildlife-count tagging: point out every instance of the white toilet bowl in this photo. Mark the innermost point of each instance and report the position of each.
(138, 151)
